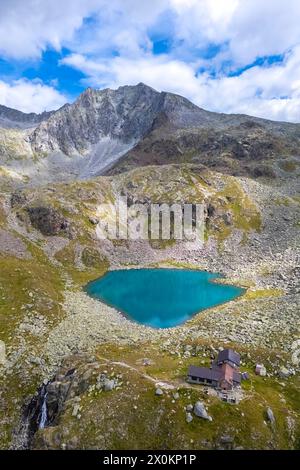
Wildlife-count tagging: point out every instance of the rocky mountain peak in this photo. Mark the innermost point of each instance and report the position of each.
(113, 130)
(125, 114)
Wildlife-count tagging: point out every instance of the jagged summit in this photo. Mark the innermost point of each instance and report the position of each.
(113, 130)
(126, 114)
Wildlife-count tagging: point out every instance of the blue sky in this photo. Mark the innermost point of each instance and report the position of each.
(240, 56)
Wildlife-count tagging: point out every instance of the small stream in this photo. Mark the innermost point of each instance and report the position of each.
(34, 417)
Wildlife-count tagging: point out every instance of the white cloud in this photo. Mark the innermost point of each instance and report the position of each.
(120, 27)
(262, 28)
(246, 29)
(156, 71)
(29, 96)
(250, 28)
(28, 27)
(270, 91)
(111, 43)
(199, 22)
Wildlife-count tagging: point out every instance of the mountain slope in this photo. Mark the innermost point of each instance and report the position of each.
(243, 148)
(50, 328)
(116, 130)
(48, 251)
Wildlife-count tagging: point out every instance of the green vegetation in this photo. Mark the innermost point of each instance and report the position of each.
(284, 201)
(259, 293)
(93, 264)
(288, 165)
(175, 264)
(233, 204)
(152, 422)
(245, 213)
(28, 287)
(133, 416)
(21, 277)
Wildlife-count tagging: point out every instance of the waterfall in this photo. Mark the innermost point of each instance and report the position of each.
(44, 413)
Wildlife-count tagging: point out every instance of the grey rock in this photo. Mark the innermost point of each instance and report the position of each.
(226, 442)
(284, 373)
(227, 217)
(35, 360)
(93, 220)
(147, 362)
(260, 370)
(188, 417)
(18, 198)
(76, 409)
(270, 415)
(105, 125)
(200, 411)
(126, 114)
(2, 352)
(159, 392)
(109, 385)
(226, 439)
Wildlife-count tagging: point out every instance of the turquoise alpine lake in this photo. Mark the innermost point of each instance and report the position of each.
(161, 298)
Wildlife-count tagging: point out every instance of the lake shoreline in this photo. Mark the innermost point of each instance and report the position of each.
(168, 303)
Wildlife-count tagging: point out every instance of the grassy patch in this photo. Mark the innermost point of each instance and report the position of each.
(244, 213)
(134, 417)
(93, 263)
(261, 293)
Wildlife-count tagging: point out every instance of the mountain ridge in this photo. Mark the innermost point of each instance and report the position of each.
(45, 114)
(19, 117)
(107, 131)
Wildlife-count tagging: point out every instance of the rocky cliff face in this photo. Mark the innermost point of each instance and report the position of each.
(126, 114)
(116, 130)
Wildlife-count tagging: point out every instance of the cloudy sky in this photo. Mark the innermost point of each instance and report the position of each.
(224, 55)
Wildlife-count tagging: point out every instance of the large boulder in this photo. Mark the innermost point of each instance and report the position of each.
(270, 415)
(72, 379)
(47, 220)
(284, 373)
(18, 198)
(200, 411)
